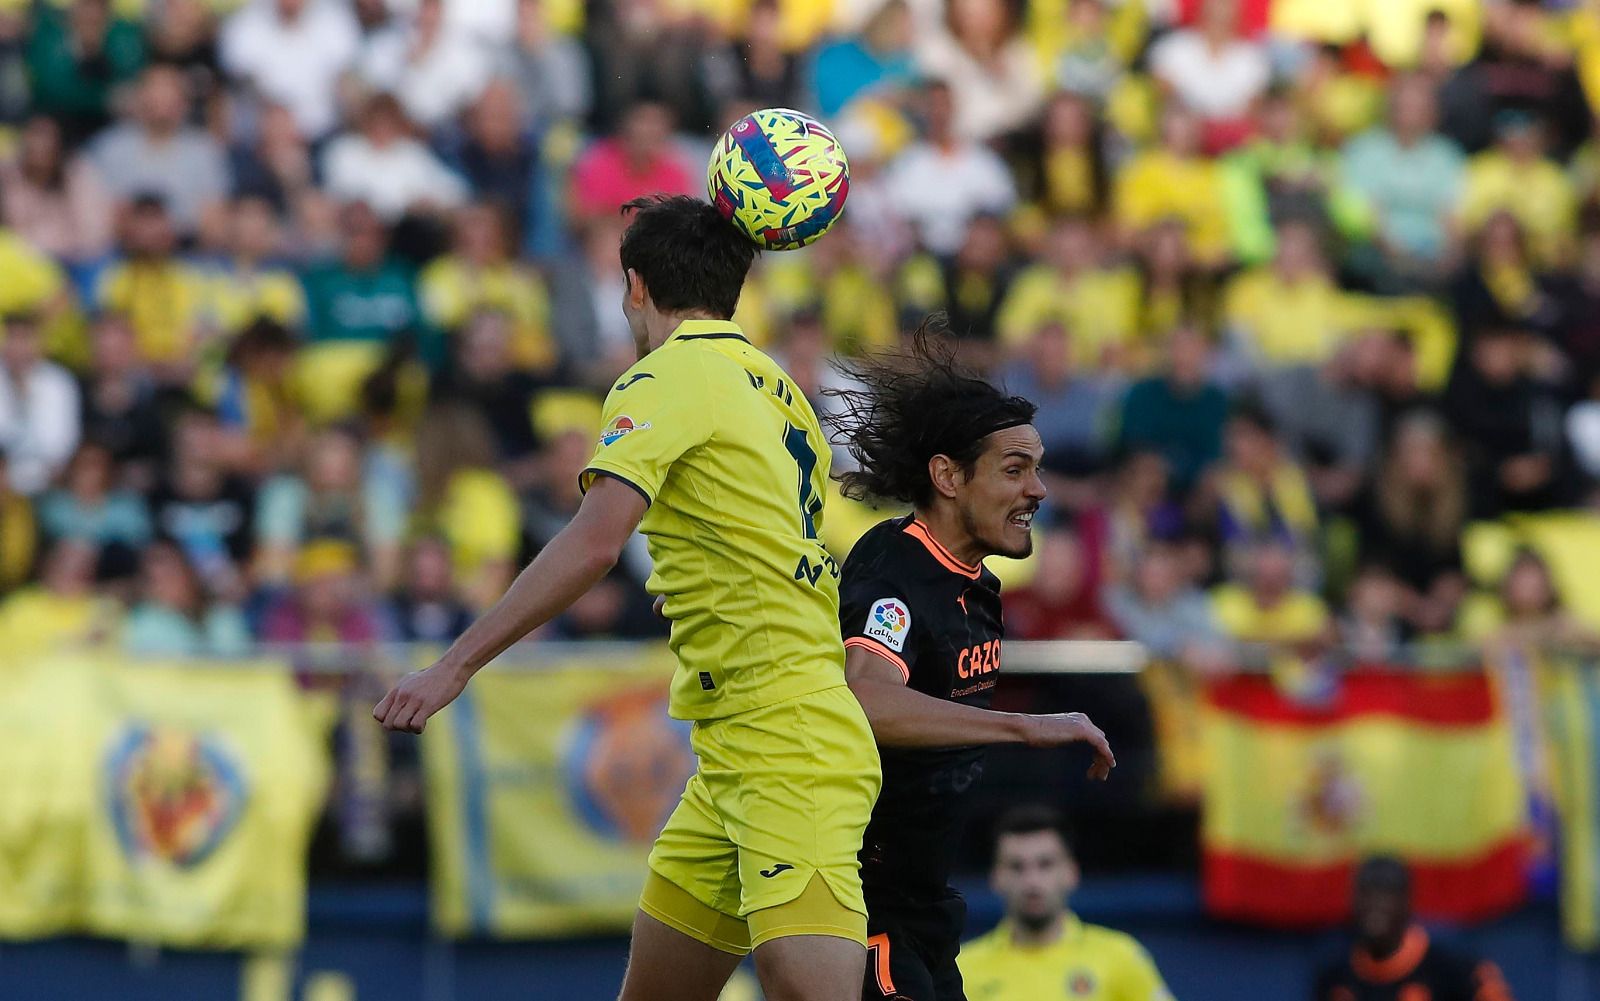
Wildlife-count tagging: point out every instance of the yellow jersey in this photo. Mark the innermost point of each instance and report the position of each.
(734, 465)
(1087, 963)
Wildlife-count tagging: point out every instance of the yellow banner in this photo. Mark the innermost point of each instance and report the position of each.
(545, 789)
(168, 804)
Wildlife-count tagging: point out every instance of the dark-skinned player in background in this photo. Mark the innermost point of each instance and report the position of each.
(921, 621)
(1393, 958)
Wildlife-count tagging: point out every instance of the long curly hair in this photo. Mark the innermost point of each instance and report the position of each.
(902, 408)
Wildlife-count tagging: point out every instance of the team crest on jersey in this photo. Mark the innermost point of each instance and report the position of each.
(1080, 984)
(620, 426)
(889, 622)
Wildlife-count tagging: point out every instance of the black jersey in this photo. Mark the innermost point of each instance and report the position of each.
(908, 599)
(1418, 971)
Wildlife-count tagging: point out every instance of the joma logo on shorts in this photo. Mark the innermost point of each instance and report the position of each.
(781, 867)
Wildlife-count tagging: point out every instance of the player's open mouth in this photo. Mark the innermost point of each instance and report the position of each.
(1023, 520)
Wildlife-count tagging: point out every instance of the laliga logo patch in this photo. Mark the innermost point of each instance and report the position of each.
(619, 427)
(889, 622)
(174, 795)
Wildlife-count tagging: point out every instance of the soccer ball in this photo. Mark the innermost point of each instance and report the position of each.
(779, 176)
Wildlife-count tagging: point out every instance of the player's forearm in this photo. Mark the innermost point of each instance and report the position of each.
(566, 568)
(902, 717)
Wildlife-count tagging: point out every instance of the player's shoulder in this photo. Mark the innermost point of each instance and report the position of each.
(881, 549)
(1118, 945)
(986, 948)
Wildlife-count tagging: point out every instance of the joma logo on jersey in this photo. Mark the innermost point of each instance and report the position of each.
(979, 660)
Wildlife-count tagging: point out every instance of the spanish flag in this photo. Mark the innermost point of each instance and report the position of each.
(1415, 765)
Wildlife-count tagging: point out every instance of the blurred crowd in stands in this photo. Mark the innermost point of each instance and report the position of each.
(309, 305)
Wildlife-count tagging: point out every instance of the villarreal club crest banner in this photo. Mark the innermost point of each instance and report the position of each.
(166, 804)
(546, 787)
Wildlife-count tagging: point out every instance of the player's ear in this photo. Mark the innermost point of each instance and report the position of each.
(636, 290)
(946, 475)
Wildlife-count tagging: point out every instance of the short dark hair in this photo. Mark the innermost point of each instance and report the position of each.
(687, 254)
(1032, 818)
(903, 408)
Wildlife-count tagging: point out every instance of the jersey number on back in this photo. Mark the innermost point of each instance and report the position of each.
(794, 439)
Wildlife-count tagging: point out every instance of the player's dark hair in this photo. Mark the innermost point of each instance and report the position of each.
(1386, 873)
(905, 407)
(1031, 818)
(689, 257)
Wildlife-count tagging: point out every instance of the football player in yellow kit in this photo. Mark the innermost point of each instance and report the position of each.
(711, 451)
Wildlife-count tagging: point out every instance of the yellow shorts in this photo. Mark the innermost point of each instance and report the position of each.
(783, 794)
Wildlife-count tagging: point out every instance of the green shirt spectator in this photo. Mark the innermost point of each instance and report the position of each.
(76, 57)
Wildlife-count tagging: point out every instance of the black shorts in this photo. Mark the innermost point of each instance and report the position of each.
(911, 951)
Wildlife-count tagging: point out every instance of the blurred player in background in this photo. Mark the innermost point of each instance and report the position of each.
(1041, 951)
(713, 453)
(921, 620)
(1393, 959)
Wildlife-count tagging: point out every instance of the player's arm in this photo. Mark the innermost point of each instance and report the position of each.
(904, 717)
(574, 561)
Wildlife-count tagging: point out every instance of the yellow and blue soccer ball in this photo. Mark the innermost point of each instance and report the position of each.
(780, 176)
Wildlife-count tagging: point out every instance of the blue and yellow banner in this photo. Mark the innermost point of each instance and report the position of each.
(545, 789)
(1572, 709)
(160, 803)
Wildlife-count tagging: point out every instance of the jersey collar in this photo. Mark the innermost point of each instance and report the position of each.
(917, 530)
(708, 330)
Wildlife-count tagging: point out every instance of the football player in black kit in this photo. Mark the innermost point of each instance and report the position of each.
(922, 627)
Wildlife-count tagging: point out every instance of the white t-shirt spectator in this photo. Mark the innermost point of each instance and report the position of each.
(296, 63)
(391, 178)
(39, 425)
(432, 86)
(1213, 84)
(188, 169)
(989, 100)
(939, 191)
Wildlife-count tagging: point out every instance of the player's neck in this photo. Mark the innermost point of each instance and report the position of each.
(658, 327)
(944, 524)
(1022, 934)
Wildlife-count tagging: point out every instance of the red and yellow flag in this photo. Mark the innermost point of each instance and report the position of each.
(1418, 766)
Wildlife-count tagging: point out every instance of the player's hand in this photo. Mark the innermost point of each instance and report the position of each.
(418, 696)
(1059, 729)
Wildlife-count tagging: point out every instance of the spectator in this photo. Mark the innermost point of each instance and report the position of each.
(251, 283)
(1076, 406)
(329, 602)
(1280, 173)
(550, 71)
(462, 498)
(845, 284)
(1213, 71)
(876, 61)
(55, 201)
(202, 506)
(183, 33)
(645, 54)
(755, 68)
(19, 533)
(1174, 180)
(970, 286)
(1062, 601)
(1094, 53)
(162, 296)
(639, 160)
(331, 497)
(483, 375)
(61, 611)
(385, 167)
(78, 55)
(1500, 286)
(1578, 336)
(1534, 618)
(425, 608)
(432, 69)
(1065, 171)
(499, 159)
(980, 52)
(1410, 178)
(171, 616)
(90, 508)
(364, 295)
(480, 274)
(585, 288)
(1172, 289)
(1290, 312)
(1261, 494)
(157, 152)
(275, 163)
(1140, 509)
(1157, 606)
(121, 410)
(292, 53)
(1514, 176)
(15, 89)
(1267, 608)
(1371, 630)
(1180, 413)
(942, 181)
(1412, 518)
(1042, 951)
(39, 408)
(1510, 423)
(258, 401)
(1329, 419)
(1393, 956)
